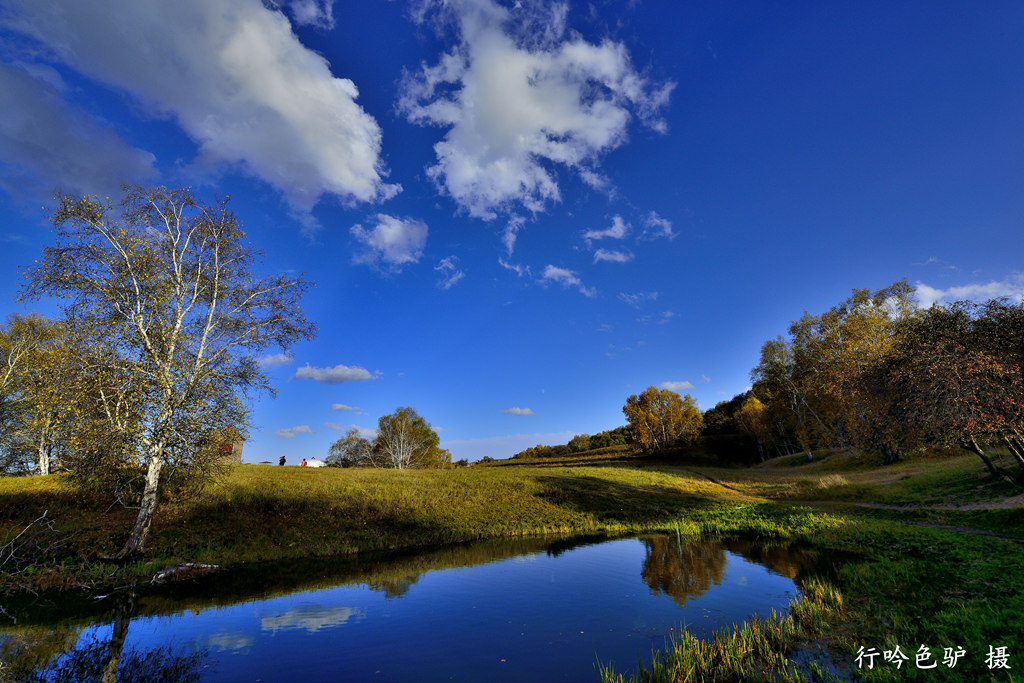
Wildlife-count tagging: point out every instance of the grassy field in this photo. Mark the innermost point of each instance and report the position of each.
(934, 544)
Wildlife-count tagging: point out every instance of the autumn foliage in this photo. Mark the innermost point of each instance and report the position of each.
(880, 374)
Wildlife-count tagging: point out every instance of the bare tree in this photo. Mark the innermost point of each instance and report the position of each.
(171, 321)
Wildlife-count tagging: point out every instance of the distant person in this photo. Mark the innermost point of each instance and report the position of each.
(281, 461)
(303, 462)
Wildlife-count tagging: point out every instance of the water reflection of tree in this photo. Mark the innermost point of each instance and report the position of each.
(95, 659)
(27, 649)
(682, 571)
(782, 558)
(395, 586)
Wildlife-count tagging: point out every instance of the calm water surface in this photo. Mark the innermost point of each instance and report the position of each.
(497, 611)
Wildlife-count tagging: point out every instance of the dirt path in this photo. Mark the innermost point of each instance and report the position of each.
(994, 504)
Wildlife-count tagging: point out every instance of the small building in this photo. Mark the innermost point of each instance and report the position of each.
(232, 452)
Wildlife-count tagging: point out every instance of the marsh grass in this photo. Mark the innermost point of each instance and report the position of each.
(758, 649)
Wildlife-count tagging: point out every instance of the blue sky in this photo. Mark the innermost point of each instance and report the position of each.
(517, 214)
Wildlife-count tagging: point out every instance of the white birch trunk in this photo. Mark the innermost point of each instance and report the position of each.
(136, 543)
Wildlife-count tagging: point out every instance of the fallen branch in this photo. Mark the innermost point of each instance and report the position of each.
(30, 546)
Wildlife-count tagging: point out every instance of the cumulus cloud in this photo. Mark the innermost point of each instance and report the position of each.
(521, 412)
(520, 95)
(1012, 287)
(335, 375)
(638, 298)
(342, 406)
(236, 79)
(676, 386)
(613, 255)
(656, 227)
(276, 359)
(291, 432)
(392, 242)
(617, 231)
(450, 273)
(45, 142)
(567, 278)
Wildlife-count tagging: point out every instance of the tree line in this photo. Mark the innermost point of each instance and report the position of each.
(880, 374)
(876, 374)
(657, 419)
(403, 440)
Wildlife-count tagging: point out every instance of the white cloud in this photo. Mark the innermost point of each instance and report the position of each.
(291, 432)
(567, 278)
(676, 386)
(394, 242)
(275, 360)
(235, 78)
(335, 375)
(46, 142)
(617, 231)
(705, 379)
(656, 227)
(512, 228)
(450, 273)
(660, 319)
(1012, 287)
(613, 255)
(517, 269)
(342, 406)
(519, 411)
(638, 298)
(519, 96)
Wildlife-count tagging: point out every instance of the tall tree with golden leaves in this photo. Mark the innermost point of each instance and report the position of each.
(659, 418)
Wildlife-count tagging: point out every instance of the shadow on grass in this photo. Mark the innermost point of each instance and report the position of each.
(301, 525)
(615, 502)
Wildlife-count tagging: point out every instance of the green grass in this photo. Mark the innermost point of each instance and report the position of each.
(265, 513)
(896, 579)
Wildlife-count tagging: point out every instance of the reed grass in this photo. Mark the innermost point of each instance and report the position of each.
(757, 650)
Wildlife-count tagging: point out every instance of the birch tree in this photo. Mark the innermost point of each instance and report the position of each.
(34, 399)
(171, 319)
(405, 440)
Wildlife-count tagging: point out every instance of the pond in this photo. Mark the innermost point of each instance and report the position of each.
(513, 610)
